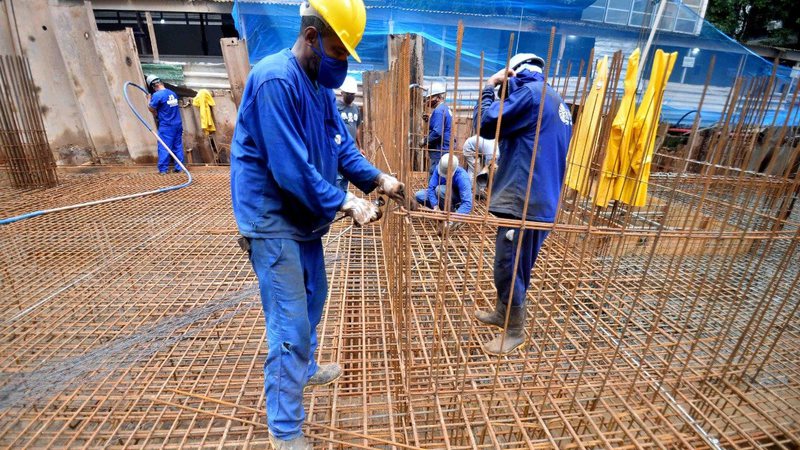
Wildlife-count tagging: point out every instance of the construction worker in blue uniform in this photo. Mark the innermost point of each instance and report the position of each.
(526, 91)
(439, 124)
(164, 107)
(288, 145)
(352, 116)
(461, 196)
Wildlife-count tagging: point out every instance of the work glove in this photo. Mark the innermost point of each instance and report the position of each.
(447, 226)
(362, 211)
(391, 187)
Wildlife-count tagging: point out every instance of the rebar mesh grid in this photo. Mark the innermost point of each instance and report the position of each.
(648, 326)
(138, 324)
(673, 325)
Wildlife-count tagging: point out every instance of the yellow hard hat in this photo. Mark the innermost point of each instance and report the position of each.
(347, 18)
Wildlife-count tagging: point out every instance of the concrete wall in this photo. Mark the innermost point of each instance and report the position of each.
(196, 142)
(117, 51)
(63, 119)
(8, 40)
(75, 30)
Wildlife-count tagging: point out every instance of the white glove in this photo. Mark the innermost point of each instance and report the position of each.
(362, 211)
(448, 226)
(391, 187)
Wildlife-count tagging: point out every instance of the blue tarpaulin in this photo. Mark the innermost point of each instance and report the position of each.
(582, 25)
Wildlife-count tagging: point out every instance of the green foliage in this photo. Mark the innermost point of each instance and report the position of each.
(748, 20)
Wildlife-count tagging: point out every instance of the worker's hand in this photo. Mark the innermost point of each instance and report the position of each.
(362, 211)
(391, 187)
(497, 79)
(447, 226)
(442, 228)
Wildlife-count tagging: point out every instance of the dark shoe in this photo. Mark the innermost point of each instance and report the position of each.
(496, 317)
(513, 338)
(298, 443)
(326, 374)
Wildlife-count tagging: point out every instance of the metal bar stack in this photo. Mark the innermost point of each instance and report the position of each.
(23, 141)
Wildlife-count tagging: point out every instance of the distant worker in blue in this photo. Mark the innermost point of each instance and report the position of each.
(440, 122)
(352, 116)
(164, 107)
(526, 92)
(288, 144)
(461, 196)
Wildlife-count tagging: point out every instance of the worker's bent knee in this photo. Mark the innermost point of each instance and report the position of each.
(421, 197)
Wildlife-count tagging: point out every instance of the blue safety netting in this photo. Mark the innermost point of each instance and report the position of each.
(581, 26)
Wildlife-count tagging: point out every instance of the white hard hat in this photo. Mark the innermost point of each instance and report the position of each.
(350, 86)
(152, 79)
(436, 88)
(444, 164)
(523, 59)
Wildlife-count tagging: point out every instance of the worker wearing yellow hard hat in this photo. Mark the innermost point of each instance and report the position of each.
(347, 18)
(287, 147)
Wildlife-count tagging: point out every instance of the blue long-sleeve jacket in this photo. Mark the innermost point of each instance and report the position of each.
(288, 144)
(517, 134)
(462, 190)
(439, 124)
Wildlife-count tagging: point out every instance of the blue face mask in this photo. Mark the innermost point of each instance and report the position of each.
(332, 71)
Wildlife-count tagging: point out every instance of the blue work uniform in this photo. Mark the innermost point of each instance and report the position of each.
(439, 124)
(351, 116)
(170, 127)
(517, 134)
(460, 198)
(288, 145)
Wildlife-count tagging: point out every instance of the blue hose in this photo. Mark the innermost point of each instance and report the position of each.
(29, 215)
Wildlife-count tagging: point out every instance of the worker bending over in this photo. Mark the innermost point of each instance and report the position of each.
(288, 144)
(478, 153)
(461, 197)
(436, 195)
(526, 92)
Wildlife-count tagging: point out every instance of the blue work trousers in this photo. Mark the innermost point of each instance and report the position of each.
(293, 285)
(422, 198)
(505, 252)
(173, 137)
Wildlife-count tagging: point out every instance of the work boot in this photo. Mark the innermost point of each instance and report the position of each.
(512, 338)
(326, 374)
(298, 443)
(496, 317)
